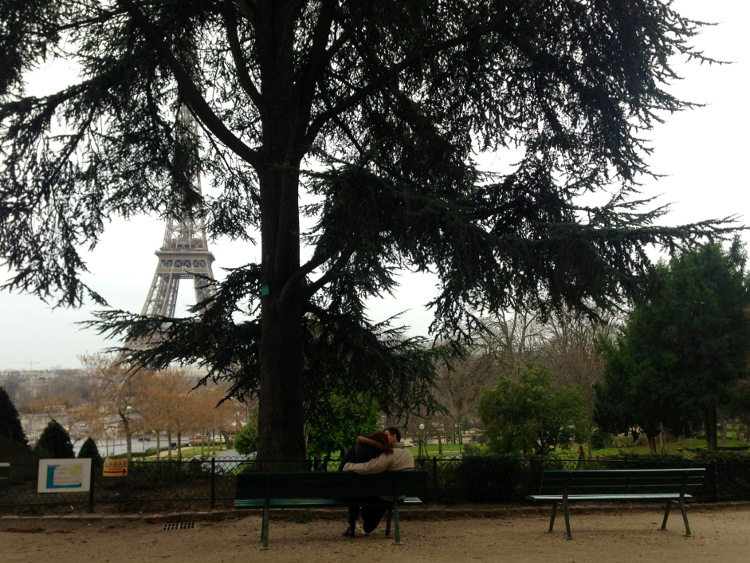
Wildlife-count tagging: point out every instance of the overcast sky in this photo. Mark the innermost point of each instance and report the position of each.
(703, 154)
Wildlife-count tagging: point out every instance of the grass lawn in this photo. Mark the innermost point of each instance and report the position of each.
(681, 447)
(448, 450)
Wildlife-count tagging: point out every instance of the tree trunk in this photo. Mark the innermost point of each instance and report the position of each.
(281, 414)
(709, 420)
(285, 118)
(662, 440)
(651, 443)
(126, 427)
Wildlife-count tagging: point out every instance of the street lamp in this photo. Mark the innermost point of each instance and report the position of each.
(422, 445)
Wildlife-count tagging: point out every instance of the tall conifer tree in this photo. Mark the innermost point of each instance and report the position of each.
(362, 118)
(683, 349)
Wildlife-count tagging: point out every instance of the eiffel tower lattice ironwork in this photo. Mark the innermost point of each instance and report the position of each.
(183, 255)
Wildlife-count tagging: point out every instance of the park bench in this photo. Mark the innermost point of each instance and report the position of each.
(309, 489)
(670, 485)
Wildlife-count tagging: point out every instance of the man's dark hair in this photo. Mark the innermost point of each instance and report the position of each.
(393, 430)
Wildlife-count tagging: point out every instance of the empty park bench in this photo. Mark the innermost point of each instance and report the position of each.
(314, 489)
(670, 485)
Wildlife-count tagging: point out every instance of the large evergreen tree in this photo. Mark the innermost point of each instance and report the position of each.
(10, 423)
(369, 113)
(683, 349)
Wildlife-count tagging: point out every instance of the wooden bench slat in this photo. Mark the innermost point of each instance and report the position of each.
(624, 496)
(323, 484)
(306, 503)
(288, 503)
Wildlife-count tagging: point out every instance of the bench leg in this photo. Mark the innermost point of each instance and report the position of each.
(566, 513)
(684, 517)
(552, 517)
(666, 515)
(264, 529)
(683, 509)
(388, 522)
(397, 538)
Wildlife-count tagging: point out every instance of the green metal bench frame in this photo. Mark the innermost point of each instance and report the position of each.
(671, 485)
(305, 489)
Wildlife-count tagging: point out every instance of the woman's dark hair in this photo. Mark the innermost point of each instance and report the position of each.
(380, 437)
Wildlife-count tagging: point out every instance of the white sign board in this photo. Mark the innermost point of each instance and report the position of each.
(64, 475)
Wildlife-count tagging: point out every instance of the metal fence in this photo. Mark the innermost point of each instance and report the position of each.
(163, 486)
(148, 486)
(510, 479)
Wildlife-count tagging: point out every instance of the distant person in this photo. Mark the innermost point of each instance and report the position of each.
(400, 459)
(364, 449)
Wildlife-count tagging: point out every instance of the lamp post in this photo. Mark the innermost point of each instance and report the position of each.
(422, 445)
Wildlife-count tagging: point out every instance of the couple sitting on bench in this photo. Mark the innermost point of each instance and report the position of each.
(374, 453)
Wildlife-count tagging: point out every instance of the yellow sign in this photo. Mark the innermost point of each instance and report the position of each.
(115, 467)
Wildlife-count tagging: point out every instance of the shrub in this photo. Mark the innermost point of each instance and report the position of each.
(10, 423)
(484, 478)
(246, 441)
(90, 450)
(54, 443)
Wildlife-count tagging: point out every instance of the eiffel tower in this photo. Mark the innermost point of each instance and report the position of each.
(183, 255)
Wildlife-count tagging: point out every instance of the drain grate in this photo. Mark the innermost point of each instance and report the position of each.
(179, 526)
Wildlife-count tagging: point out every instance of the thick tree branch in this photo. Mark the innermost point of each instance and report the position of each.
(332, 272)
(239, 62)
(317, 58)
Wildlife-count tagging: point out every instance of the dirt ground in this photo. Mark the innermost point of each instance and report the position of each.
(720, 533)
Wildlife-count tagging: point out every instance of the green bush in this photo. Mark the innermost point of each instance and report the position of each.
(246, 440)
(599, 439)
(483, 479)
(54, 443)
(474, 451)
(90, 450)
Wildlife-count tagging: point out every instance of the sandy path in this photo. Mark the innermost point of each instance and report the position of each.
(719, 534)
